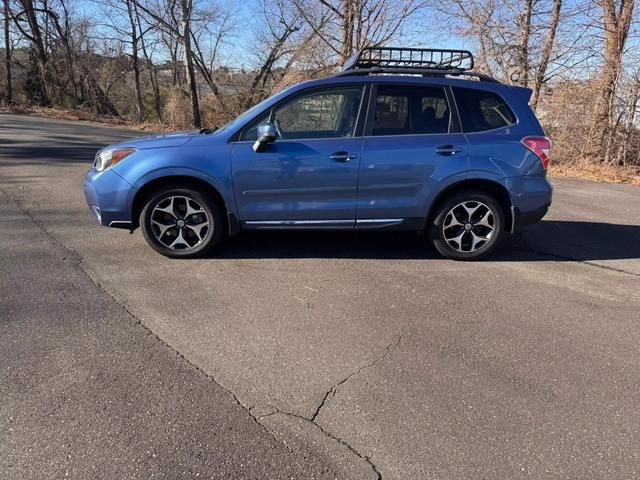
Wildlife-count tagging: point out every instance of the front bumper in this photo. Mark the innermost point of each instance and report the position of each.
(107, 195)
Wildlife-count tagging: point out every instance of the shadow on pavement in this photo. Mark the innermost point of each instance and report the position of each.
(48, 155)
(571, 240)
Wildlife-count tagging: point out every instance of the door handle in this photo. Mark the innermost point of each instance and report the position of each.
(447, 150)
(342, 156)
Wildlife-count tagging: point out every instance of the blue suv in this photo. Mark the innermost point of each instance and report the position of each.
(401, 139)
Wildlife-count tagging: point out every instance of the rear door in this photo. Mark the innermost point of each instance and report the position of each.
(412, 143)
(309, 175)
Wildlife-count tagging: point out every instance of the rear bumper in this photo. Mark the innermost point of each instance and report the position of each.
(107, 194)
(531, 198)
(522, 219)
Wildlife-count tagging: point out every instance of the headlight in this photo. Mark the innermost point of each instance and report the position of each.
(107, 158)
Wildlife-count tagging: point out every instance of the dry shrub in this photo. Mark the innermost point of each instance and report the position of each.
(600, 172)
(217, 111)
(177, 110)
(566, 113)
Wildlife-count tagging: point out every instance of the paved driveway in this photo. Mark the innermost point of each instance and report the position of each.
(371, 351)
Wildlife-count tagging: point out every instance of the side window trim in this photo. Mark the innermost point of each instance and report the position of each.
(371, 109)
(455, 124)
(365, 88)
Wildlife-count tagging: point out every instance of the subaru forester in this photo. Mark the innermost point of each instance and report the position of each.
(400, 139)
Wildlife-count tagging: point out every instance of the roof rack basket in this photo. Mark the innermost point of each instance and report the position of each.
(412, 61)
(391, 58)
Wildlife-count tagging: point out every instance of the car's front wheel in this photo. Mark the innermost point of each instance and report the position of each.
(467, 225)
(181, 222)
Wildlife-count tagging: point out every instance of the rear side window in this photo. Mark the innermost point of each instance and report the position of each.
(480, 110)
(407, 110)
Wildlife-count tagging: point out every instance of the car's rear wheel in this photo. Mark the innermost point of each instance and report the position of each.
(467, 225)
(182, 222)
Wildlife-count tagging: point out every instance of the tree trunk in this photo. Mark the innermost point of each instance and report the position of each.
(151, 68)
(189, 70)
(7, 55)
(616, 30)
(546, 53)
(523, 48)
(631, 121)
(175, 69)
(35, 37)
(136, 63)
(153, 73)
(347, 29)
(101, 102)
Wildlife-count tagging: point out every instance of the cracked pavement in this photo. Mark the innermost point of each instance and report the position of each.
(366, 355)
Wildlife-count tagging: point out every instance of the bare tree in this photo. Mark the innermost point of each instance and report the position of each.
(545, 56)
(616, 19)
(211, 29)
(151, 68)
(346, 26)
(8, 95)
(522, 58)
(135, 39)
(281, 23)
(631, 112)
(26, 20)
(182, 32)
(187, 9)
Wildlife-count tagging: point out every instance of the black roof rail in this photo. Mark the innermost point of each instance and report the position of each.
(412, 61)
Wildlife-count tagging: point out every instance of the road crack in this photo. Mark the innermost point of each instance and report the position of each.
(331, 393)
(328, 434)
(77, 262)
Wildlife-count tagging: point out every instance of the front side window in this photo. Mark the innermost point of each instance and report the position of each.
(320, 114)
(410, 110)
(480, 110)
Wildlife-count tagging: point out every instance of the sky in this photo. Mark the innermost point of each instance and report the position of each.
(420, 33)
(239, 49)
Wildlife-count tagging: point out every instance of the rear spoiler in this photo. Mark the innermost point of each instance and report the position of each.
(524, 93)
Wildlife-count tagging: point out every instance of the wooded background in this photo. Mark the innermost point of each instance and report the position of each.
(194, 63)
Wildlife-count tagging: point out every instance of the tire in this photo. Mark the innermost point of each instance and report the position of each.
(456, 236)
(182, 221)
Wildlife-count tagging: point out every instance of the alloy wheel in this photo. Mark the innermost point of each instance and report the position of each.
(180, 223)
(469, 226)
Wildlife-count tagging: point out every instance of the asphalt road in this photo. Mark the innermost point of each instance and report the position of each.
(309, 355)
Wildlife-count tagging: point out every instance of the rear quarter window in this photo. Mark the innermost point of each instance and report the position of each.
(480, 110)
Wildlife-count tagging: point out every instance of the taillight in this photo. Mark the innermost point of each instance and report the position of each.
(541, 146)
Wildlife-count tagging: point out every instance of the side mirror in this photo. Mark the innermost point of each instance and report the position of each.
(266, 134)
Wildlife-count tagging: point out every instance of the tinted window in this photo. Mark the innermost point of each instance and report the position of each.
(403, 110)
(321, 114)
(481, 110)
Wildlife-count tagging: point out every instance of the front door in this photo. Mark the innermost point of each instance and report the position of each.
(309, 175)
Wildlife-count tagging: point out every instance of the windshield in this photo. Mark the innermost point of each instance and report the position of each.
(254, 109)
